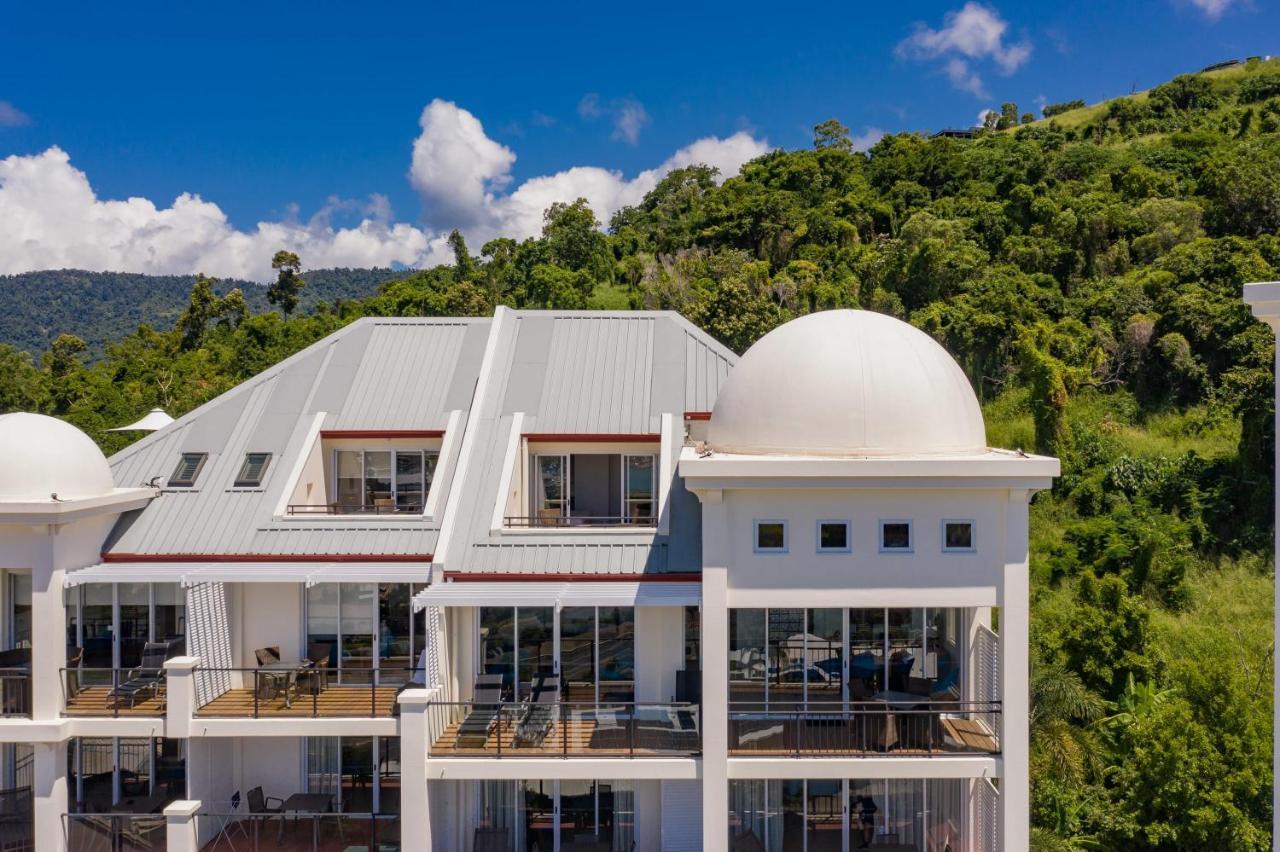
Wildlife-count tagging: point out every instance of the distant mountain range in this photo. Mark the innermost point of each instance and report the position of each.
(35, 307)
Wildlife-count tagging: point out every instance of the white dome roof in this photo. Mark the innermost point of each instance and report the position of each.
(847, 383)
(40, 456)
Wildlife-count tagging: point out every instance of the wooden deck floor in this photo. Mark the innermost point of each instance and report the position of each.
(575, 736)
(334, 702)
(953, 736)
(97, 701)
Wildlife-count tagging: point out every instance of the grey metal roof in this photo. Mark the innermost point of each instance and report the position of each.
(584, 373)
(564, 372)
(374, 374)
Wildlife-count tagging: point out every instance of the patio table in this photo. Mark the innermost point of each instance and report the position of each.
(306, 803)
(280, 668)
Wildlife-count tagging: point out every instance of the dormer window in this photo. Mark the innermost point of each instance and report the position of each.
(253, 470)
(377, 482)
(592, 489)
(188, 469)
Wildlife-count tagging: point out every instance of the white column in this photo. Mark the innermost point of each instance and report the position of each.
(715, 709)
(48, 635)
(1015, 674)
(49, 778)
(1264, 300)
(180, 826)
(415, 809)
(180, 695)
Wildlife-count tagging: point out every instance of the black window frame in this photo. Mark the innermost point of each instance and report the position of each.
(244, 481)
(175, 481)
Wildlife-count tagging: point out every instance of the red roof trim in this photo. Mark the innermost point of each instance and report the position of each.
(697, 415)
(593, 437)
(266, 557)
(475, 577)
(381, 433)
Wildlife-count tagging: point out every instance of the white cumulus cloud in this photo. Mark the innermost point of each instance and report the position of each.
(11, 116)
(1212, 9)
(627, 115)
(970, 34)
(864, 140)
(53, 218)
(487, 214)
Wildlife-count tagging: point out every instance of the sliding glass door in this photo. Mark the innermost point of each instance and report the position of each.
(593, 650)
(543, 815)
(113, 621)
(363, 628)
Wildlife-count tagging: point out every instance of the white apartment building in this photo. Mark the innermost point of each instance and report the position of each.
(543, 581)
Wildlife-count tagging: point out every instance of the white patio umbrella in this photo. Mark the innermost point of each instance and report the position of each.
(154, 419)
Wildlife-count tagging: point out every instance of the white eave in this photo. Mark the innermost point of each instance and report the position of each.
(65, 511)
(994, 468)
(306, 573)
(552, 593)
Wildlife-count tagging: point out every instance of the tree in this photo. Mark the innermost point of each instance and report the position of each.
(832, 134)
(574, 241)
(1050, 110)
(283, 293)
(464, 266)
(1008, 116)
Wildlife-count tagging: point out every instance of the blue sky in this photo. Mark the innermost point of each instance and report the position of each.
(269, 110)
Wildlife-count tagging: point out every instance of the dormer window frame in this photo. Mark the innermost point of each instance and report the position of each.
(430, 462)
(243, 480)
(184, 463)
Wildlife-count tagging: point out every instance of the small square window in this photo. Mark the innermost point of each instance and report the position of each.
(833, 536)
(957, 536)
(771, 536)
(253, 469)
(184, 475)
(895, 536)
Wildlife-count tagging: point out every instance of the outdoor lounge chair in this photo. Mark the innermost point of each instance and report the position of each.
(147, 678)
(540, 713)
(485, 707)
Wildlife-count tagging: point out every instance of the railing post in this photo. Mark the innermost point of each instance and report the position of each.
(564, 728)
(497, 728)
(631, 750)
(115, 693)
(180, 695)
(180, 826)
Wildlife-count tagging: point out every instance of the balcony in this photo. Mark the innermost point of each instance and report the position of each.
(555, 520)
(564, 729)
(113, 692)
(907, 726)
(114, 832)
(378, 507)
(297, 691)
(297, 831)
(15, 692)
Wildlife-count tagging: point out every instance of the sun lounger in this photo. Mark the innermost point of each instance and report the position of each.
(147, 678)
(540, 713)
(485, 706)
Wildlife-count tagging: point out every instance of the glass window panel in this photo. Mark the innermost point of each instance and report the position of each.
(692, 638)
(389, 775)
(550, 500)
(322, 618)
(170, 615)
(135, 621)
(943, 661)
(792, 839)
(906, 651)
(419, 620)
(357, 613)
(98, 628)
(958, 535)
(394, 651)
(20, 589)
(618, 808)
(904, 810)
(866, 818)
(356, 780)
(640, 489)
(323, 764)
(787, 670)
(866, 652)
(429, 461)
(824, 816)
(536, 828)
(537, 645)
(895, 535)
(577, 652)
(409, 487)
(833, 535)
(350, 496)
(577, 814)
(617, 653)
(498, 644)
(377, 481)
(747, 822)
(747, 666)
(825, 640)
(771, 535)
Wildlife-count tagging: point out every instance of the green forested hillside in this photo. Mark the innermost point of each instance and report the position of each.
(1086, 272)
(35, 307)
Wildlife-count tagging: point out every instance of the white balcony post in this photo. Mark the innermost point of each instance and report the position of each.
(180, 696)
(180, 826)
(1015, 674)
(715, 709)
(48, 637)
(49, 777)
(415, 809)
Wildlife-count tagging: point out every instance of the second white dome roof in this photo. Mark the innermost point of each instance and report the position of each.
(847, 383)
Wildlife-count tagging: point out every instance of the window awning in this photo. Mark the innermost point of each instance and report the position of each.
(307, 573)
(543, 593)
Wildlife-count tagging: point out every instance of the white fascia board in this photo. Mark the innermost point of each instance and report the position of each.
(1263, 299)
(295, 727)
(990, 470)
(119, 500)
(942, 766)
(865, 597)
(563, 768)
